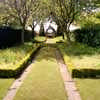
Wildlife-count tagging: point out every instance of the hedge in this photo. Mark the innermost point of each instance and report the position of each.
(15, 72)
(85, 73)
(10, 36)
(90, 37)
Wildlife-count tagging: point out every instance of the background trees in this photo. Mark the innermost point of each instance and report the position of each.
(65, 12)
(21, 11)
(24, 11)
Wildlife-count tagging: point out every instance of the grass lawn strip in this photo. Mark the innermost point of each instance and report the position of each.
(44, 82)
(4, 86)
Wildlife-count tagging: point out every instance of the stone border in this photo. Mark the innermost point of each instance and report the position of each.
(69, 83)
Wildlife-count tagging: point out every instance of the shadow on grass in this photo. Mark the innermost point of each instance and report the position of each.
(86, 73)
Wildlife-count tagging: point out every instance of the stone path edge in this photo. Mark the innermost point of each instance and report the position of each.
(29, 61)
(70, 87)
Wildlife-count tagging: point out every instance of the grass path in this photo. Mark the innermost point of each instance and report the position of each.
(44, 82)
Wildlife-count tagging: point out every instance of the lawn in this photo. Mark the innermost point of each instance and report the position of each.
(44, 82)
(4, 86)
(40, 38)
(79, 57)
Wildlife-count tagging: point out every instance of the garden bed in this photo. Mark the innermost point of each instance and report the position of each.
(15, 59)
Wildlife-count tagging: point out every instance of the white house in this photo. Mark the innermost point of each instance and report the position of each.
(50, 27)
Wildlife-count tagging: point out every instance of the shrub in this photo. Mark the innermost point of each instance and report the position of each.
(89, 37)
(10, 36)
(89, 32)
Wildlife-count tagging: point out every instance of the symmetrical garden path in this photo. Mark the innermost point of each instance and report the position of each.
(43, 80)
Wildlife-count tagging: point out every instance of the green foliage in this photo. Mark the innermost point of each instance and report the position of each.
(89, 32)
(98, 15)
(85, 73)
(4, 86)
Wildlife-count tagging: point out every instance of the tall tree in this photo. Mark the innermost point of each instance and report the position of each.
(65, 12)
(21, 10)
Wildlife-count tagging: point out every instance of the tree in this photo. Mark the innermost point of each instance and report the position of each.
(65, 12)
(21, 10)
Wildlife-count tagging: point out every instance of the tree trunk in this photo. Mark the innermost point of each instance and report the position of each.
(68, 37)
(22, 36)
(63, 36)
(33, 35)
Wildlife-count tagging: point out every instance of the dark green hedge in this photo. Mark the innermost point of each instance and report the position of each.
(89, 36)
(86, 73)
(10, 36)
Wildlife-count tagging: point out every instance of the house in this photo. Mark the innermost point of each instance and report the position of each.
(49, 25)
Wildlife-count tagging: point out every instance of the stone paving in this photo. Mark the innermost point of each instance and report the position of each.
(69, 83)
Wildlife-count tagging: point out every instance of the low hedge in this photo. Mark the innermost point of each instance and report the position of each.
(86, 73)
(15, 72)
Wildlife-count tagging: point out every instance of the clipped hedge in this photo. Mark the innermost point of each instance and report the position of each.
(8, 73)
(85, 73)
(10, 36)
(90, 37)
(90, 31)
